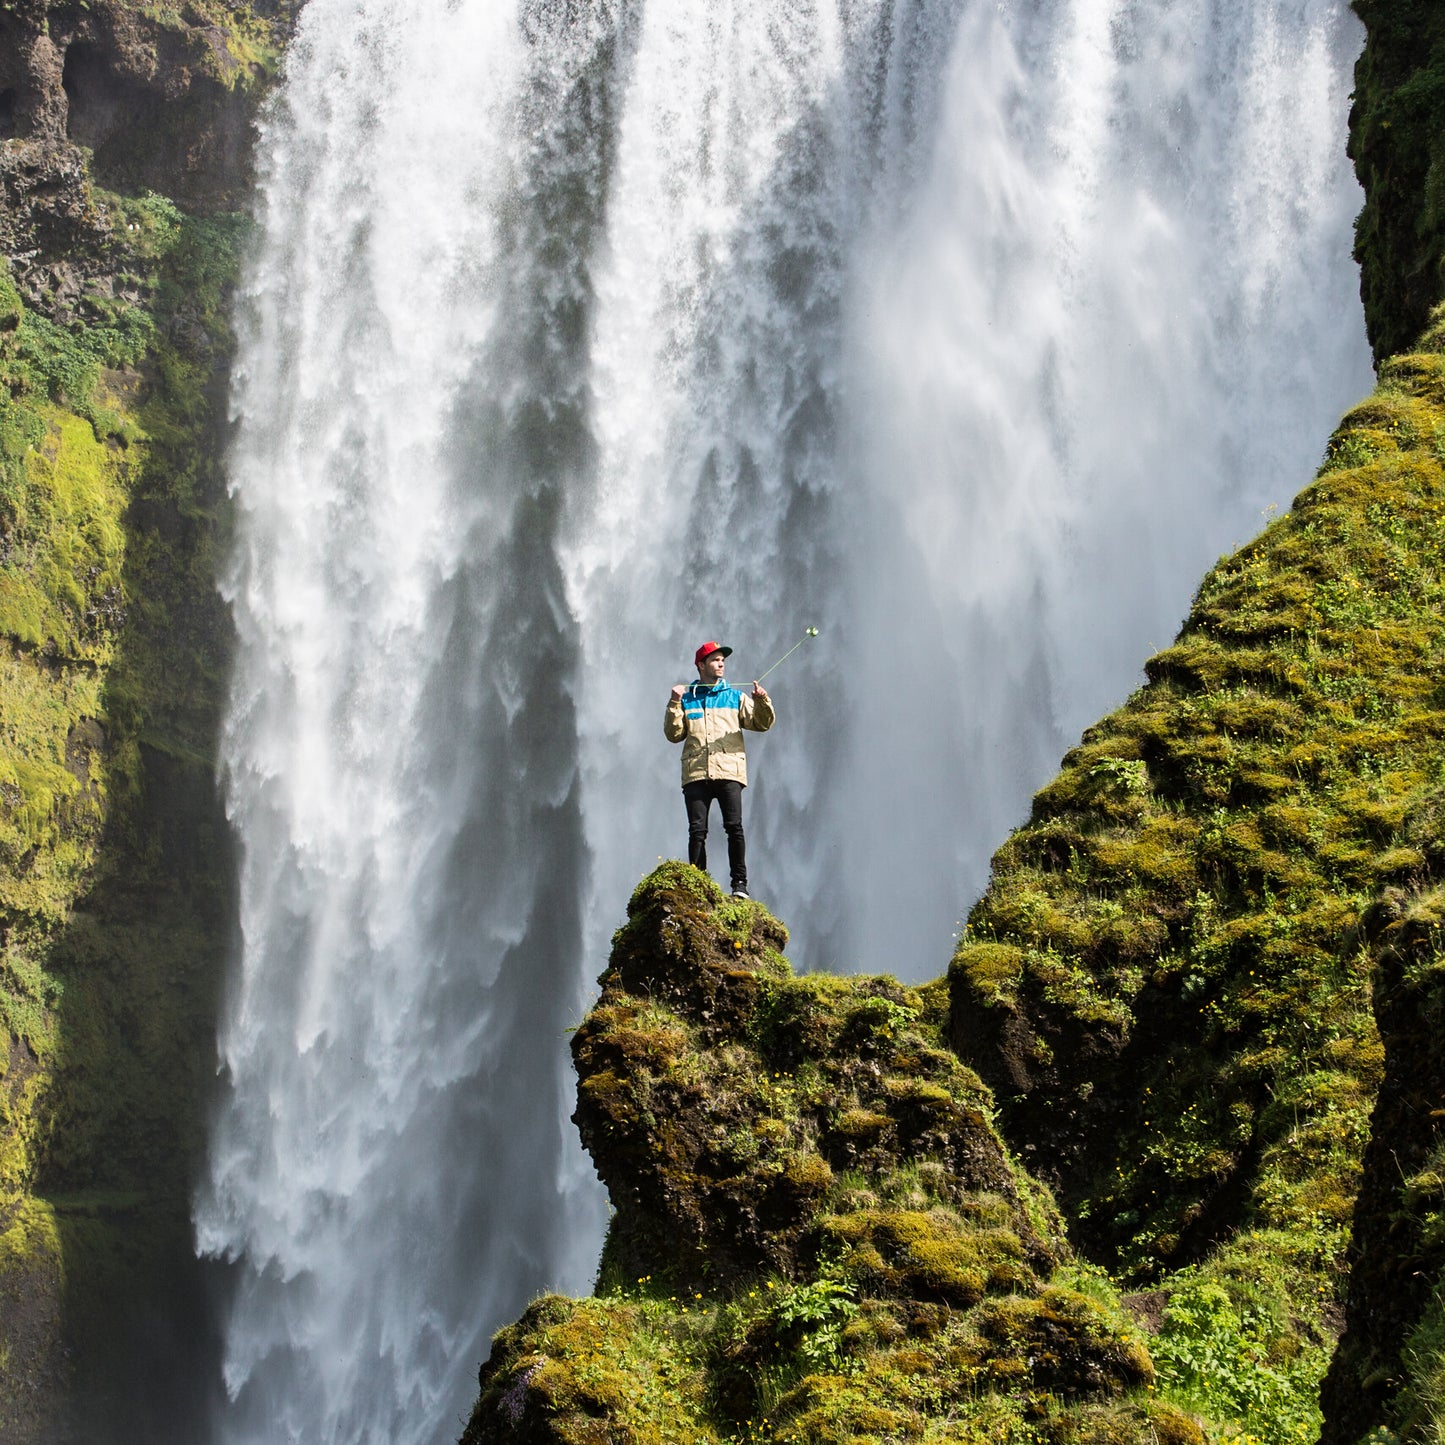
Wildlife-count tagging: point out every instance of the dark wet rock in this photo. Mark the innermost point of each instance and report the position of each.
(1393, 1325)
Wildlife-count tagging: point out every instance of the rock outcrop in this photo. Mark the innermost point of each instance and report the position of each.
(132, 98)
(818, 1234)
(1397, 142)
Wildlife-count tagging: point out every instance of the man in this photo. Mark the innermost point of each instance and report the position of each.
(707, 717)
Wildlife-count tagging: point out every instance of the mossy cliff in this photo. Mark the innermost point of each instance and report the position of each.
(114, 869)
(1168, 980)
(818, 1234)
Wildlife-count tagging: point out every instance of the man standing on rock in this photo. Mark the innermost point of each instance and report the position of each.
(707, 717)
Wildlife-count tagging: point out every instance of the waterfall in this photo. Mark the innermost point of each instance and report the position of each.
(576, 333)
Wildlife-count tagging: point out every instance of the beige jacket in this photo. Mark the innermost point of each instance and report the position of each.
(708, 720)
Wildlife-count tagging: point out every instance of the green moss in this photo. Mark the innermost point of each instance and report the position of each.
(1383, 1374)
(31, 1288)
(30, 1233)
(113, 856)
(1166, 980)
(671, 880)
(818, 1235)
(582, 1371)
(934, 1254)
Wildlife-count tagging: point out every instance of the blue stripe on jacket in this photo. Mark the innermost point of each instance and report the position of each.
(698, 698)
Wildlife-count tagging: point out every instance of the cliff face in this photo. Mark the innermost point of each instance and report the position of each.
(1169, 979)
(123, 149)
(127, 97)
(818, 1234)
(1397, 142)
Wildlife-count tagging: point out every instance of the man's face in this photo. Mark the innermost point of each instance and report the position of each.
(710, 669)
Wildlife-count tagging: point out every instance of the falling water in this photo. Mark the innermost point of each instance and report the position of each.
(577, 333)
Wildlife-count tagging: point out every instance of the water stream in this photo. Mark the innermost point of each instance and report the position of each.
(577, 333)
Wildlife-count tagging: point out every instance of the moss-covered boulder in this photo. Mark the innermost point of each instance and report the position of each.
(818, 1234)
(721, 1097)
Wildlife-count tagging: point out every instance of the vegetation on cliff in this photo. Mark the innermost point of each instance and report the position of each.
(1175, 976)
(111, 858)
(818, 1234)
(114, 886)
(1168, 980)
(1389, 1371)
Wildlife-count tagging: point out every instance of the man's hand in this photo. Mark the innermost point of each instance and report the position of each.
(759, 690)
(681, 688)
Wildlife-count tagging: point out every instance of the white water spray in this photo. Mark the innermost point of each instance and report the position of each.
(579, 334)
(393, 1169)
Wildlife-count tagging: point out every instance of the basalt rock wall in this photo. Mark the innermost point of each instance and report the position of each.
(1397, 141)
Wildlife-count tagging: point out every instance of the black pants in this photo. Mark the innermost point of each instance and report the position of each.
(729, 795)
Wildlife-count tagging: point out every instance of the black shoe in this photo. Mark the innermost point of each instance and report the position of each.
(740, 893)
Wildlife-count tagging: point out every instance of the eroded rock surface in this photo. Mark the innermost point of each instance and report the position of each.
(131, 98)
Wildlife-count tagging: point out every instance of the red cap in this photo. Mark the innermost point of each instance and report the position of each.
(706, 651)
